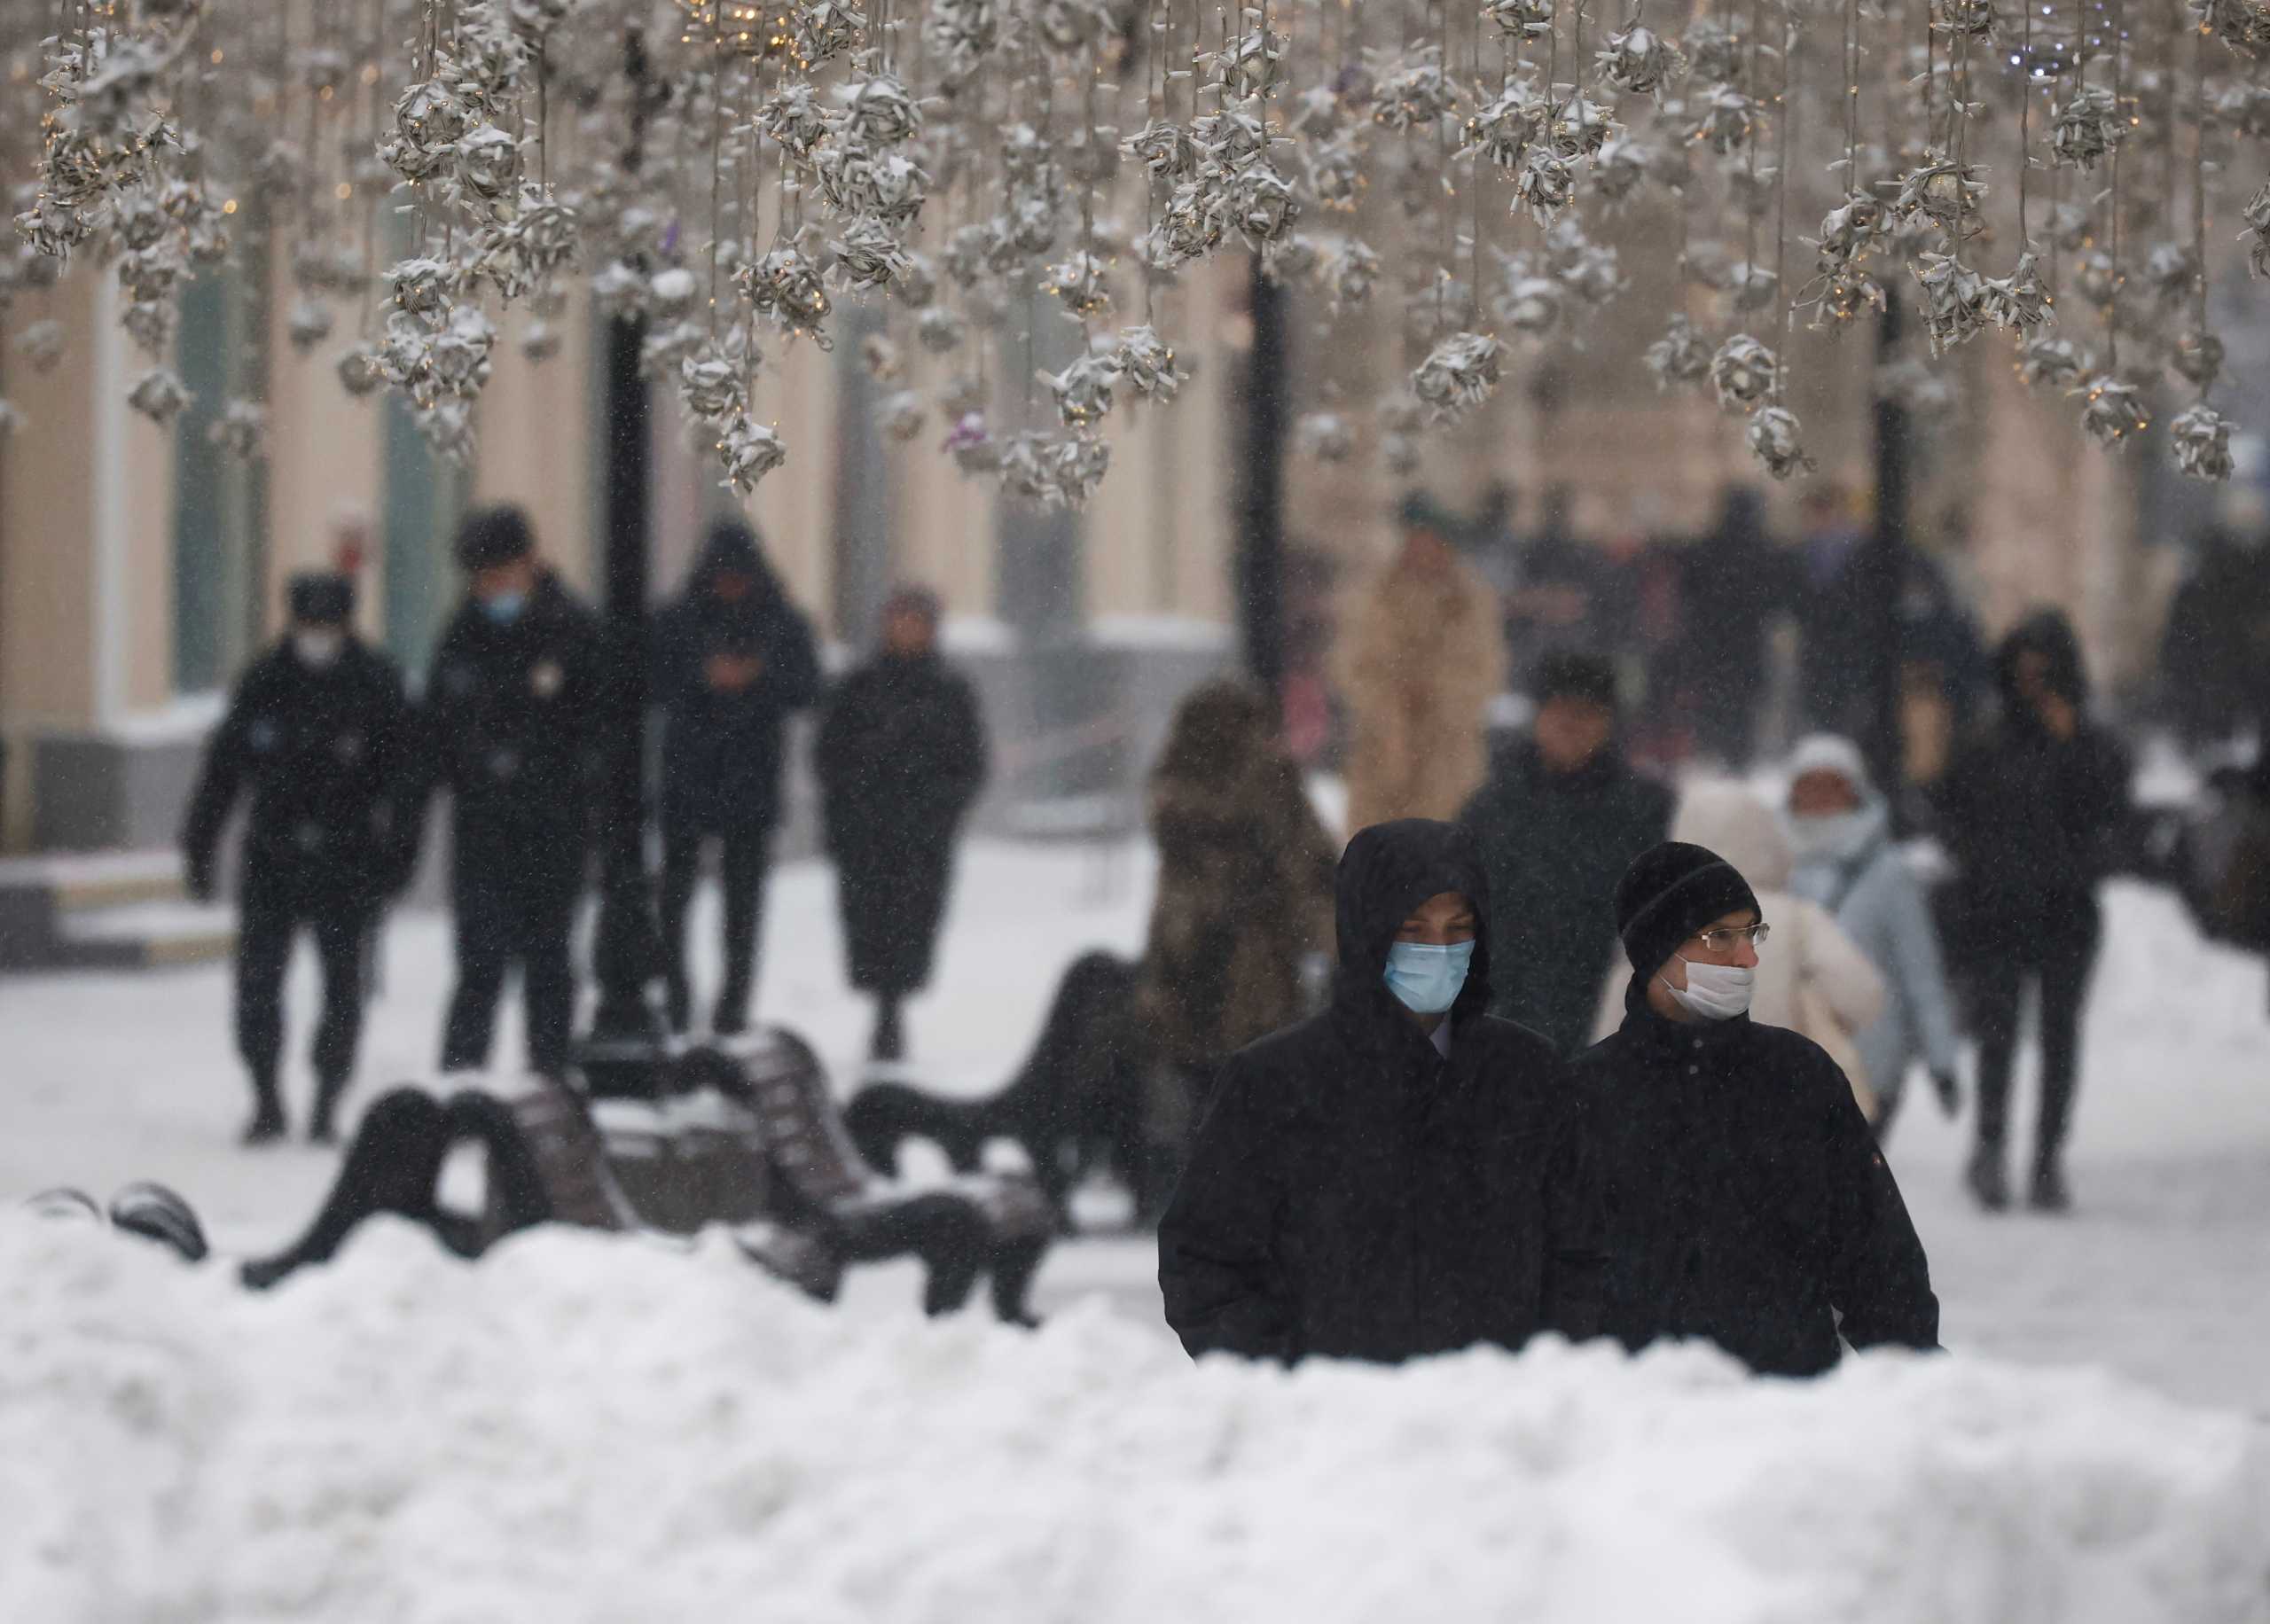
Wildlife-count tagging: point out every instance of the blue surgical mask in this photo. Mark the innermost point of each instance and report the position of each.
(504, 608)
(1426, 979)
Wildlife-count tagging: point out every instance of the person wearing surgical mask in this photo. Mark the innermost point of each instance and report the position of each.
(1746, 1202)
(317, 737)
(1397, 1175)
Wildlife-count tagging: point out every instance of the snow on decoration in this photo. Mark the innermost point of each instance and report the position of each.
(2112, 409)
(2201, 438)
(1323, 437)
(1744, 372)
(1773, 435)
(1459, 375)
(1680, 358)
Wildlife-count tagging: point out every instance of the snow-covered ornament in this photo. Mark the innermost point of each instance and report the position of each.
(1400, 454)
(1532, 19)
(880, 109)
(1618, 170)
(2256, 236)
(1335, 172)
(881, 358)
(2021, 300)
(940, 331)
(1640, 61)
(423, 286)
(41, 345)
(825, 29)
(902, 414)
(710, 384)
(1349, 271)
(1953, 301)
(1680, 358)
(1415, 94)
(1531, 305)
(793, 117)
(971, 444)
(2171, 272)
(308, 324)
(241, 430)
(1166, 149)
(1459, 374)
(1082, 284)
(1715, 53)
(749, 450)
(150, 322)
(1945, 193)
(960, 35)
(2112, 409)
(2048, 362)
(2201, 440)
(1082, 391)
(1963, 18)
(1725, 119)
(1924, 391)
(2097, 279)
(786, 286)
(1753, 287)
(1503, 132)
(2243, 25)
(158, 394)
(888, 185)
(1323, 437)
(2196, 357)
(2086, 127)
(1073, 468)
(1773, 440)
(1580, 126)
(541, 341)
(916, 281)
(1263, 204)
(1544, 187)
(1744, 372)
(1146, 364)
(446, 427)
(360, 371)
(489, 162)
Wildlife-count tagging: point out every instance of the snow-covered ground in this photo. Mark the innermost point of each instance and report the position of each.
(581, 1428)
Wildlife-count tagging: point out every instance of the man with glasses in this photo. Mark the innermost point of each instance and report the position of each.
(1745, 1200)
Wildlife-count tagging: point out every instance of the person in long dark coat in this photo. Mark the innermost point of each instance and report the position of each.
(1736, 583)
(732, 660)
(318, 733)
(901, 755)
(2034, 809)
(1746, 1201)
(1559, 820)
(1399, 1175)
(513, 723)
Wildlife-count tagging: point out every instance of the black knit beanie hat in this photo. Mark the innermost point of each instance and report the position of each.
(1671, 892)
(493, 535)
(321, 598)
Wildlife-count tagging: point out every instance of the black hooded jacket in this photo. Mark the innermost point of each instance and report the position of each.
(2035, 822)
(722, 751)
(1743, 1196)
(1350, 1193)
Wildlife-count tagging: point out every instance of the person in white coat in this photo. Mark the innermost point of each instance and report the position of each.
(1847, 862)
(1816, 981)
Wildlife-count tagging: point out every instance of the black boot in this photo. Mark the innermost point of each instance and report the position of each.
(2050, 1194)
(268, 1124)
(890, 1039)
(731, 1018)
(1988, 1180)
(323, 1128)
(678, 1004)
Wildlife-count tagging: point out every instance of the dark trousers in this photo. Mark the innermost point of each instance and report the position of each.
(2055, 956)
(267, 919)
(745, 854)
(513, 910)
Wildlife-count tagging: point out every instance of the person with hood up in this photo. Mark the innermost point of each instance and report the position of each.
(733, 659)
(1423, 651)
(1745, 1202)
(901, 755)
(1848, 863)
(318, 734)
(1561, 819)
(1396, 1176)
(2033, 810)
(1818, 982)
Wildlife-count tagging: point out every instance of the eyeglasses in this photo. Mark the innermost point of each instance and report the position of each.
(1725, 937)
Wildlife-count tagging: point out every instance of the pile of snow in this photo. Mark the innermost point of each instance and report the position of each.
(591, 1428)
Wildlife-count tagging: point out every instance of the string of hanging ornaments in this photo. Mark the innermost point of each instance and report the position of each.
(2059, 175)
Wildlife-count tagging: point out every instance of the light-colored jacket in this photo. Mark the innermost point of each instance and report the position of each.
(1419, 656)
(1812, 978)
(1880, 902)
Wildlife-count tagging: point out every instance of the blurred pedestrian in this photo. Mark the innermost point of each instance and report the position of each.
(1833, 644)
(734, 660)
(2217, 645)
(1745, 1199)
(1818, 982)
(1421, 653)
(513, 724)
(2034, 811)
(1563, 816)
(901, 755)
(317, 734)
(1243, 908)
(1394, 1177)
(1554, 602)
(1848, 863)
(1735, 587)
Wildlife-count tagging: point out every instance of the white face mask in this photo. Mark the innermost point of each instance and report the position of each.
(1715, 992)
(1835, 835)
(318, 651)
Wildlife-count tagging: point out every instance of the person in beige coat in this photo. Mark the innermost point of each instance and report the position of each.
(1812, 978)
(1422, 652)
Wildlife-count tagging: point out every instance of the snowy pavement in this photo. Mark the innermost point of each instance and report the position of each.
(2162, 1274)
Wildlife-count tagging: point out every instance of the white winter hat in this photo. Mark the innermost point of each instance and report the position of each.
(1830, 753)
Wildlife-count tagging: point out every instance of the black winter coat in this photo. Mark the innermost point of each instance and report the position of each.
(1553, 846)
(1352, 1194)
(1744, 1197)
(723, 752)
(324, 755)
(513, 722)
(900, 757)
(2034, 822)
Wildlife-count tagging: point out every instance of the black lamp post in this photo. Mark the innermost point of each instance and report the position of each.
(626, 1038)
(1261, 488)
(1884, 568)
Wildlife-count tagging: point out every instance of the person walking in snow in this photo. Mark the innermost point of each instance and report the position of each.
(511, 722)
(1558, 822)
(317, 734)
(1848, 863)
(901, 755)
(1745, 1200)
(1243, 902)
(2034, 810)
(1396, 1175)
(1423, 651)
(732, 660)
